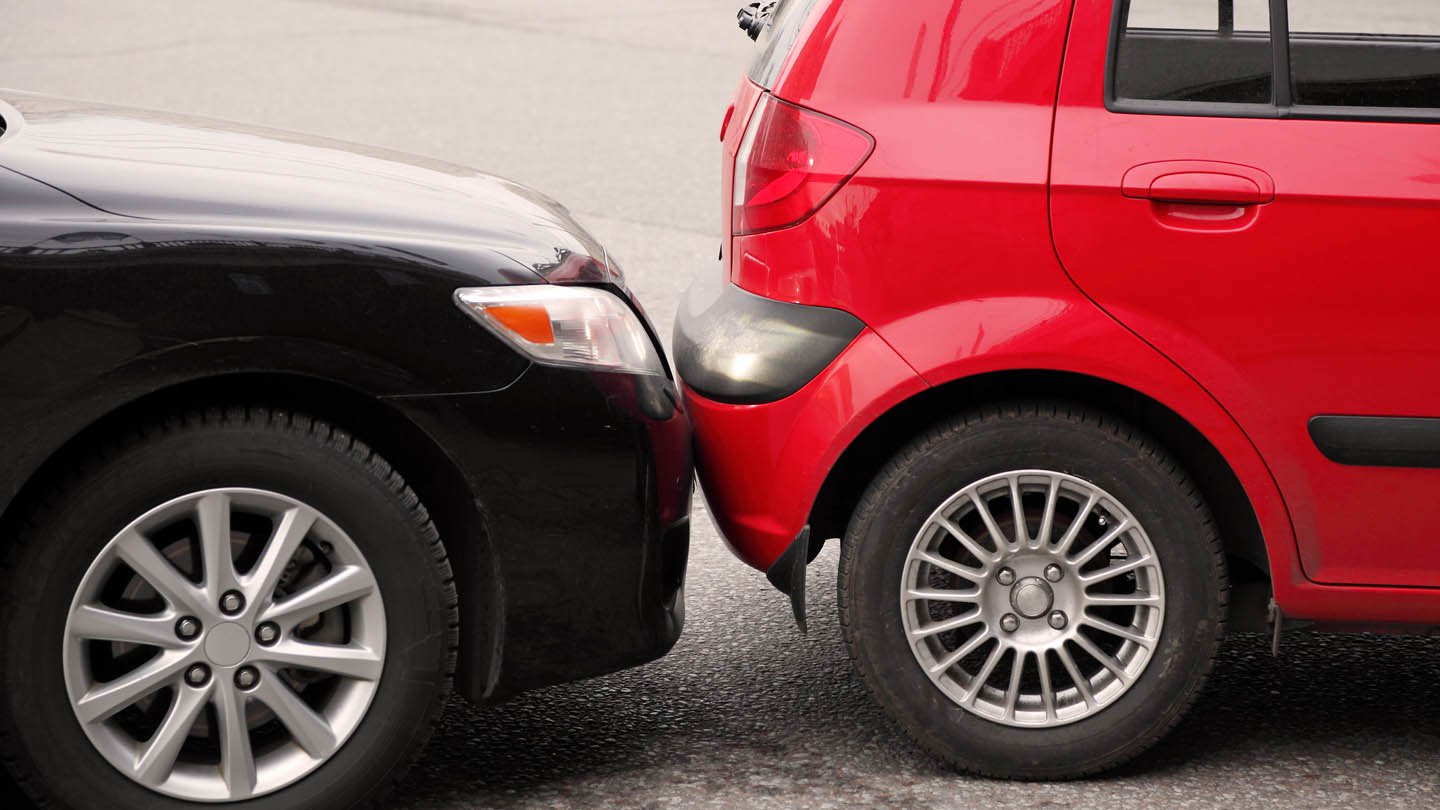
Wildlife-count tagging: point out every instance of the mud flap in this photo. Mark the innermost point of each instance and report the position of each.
(788, 574)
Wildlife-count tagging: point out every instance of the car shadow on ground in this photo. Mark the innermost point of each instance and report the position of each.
(747, 711)
(759, 714)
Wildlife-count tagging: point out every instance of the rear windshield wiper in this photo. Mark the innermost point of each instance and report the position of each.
(754, 17)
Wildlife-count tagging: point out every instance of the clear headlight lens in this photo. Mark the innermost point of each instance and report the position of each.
(565, 326)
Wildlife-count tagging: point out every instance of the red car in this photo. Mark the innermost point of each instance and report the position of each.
(1096, 329)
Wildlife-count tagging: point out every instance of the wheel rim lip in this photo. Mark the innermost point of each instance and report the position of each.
(274, 769)
(1105, 686)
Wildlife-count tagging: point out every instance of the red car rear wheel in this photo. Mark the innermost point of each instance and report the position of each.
(1035, 591)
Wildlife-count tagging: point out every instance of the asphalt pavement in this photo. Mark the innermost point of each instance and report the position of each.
(614, 107)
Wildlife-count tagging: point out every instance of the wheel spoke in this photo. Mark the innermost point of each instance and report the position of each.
(950, 566)
(1063, 547)
(237, 760)
(1047, 522)
(1129, 634)
(1022, 532)
(103, 624)
(933, 595)
(1017, 671)
(1103, 544)
(1047, 694)
(1082, 684)
(310, 730)
(1091, 577)
(104, 700)
(345, 584)
(157, 759)
(213, 512)
(965, 619)
(983, 675)
(136, 551)
(984, 555)
(1136, 599)
(991, 526)
(350, 661)
(294, 524)
(1103, 657)
(960, 652)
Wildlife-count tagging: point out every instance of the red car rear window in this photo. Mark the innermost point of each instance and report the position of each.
(778, 38)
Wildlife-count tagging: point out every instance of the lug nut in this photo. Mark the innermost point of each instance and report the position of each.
(247, 677)
(1005, 577)
(267, 633)
(187, 628)
(231, 603)
(1009, 623)
(197, 675)
(1058, 620)
(1054, 573)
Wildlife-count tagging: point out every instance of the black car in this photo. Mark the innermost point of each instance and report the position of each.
(293, 433)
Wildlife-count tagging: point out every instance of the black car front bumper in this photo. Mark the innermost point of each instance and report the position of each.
(584, 482)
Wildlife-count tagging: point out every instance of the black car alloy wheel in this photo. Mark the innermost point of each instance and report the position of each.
(245, 606)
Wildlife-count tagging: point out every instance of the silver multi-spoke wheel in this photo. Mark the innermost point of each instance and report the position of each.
(1032, 598)
(224, 645)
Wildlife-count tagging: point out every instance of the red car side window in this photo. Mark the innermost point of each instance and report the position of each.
(1193, 51)
(1389, 58)
(1217, 58)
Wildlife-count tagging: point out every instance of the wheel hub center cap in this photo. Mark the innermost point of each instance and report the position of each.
(227, 645)
(1031, 597)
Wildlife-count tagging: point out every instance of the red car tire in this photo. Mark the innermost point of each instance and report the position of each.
(1068, 734)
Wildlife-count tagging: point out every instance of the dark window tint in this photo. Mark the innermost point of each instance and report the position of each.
(777, 39)
(1194, 50)
(1377, 53)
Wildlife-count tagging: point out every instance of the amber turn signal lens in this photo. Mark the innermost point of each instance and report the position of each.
(531, 323)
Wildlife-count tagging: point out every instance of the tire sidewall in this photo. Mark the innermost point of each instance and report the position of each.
(902, 500)
(322, 474)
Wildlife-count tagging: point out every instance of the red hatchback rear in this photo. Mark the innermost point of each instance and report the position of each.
(1088, 325)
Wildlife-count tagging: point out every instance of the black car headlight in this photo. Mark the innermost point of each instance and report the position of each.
(556, 325)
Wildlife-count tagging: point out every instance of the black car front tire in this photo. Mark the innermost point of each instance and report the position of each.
(286, 456)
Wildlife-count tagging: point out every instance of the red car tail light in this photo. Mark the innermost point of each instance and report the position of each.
(791, 162)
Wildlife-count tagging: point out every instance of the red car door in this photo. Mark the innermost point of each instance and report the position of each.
(1278, 239)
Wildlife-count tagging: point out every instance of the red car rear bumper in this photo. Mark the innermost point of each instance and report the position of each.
(761, 466)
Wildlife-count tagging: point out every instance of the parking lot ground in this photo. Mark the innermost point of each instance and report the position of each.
(614, 107)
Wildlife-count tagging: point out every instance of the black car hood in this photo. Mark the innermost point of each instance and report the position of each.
(146, 166)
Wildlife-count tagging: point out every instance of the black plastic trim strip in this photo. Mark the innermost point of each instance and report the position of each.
(1378, 441)
(1393, 115)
